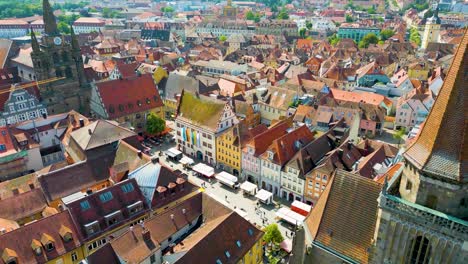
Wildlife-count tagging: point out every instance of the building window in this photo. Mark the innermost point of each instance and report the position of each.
(419, 252)
(153, 259)
(74, 256)
(409, 185)
(107, 196)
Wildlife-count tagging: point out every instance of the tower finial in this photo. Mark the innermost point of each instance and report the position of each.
(34, 42)
(74, 39)
(50, 23)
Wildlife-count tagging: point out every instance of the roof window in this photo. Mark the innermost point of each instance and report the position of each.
(85, 205)
(105, 197)
(228, 255)
(238, 243)
(126, 188)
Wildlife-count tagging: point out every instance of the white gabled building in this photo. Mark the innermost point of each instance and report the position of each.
(200, 119)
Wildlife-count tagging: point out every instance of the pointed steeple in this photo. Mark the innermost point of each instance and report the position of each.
(441, 149)
(34, 42)
(50, 23)
(74, 39)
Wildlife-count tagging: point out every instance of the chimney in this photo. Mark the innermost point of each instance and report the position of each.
(81, 122)
(90, 131)
(155, 160)
(146, 235)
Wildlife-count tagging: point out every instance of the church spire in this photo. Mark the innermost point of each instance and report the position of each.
(441, 149)
(34, 42)
(74, 39)
(50, 23)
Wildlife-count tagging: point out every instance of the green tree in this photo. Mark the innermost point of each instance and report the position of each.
(415, 37)
(302, 32)
(222, 38)
(106, 12)
(333, 39)
(368, 39)
(309, 25)
(155, 124)
(63, 27)
(283, 14)
(272, 234)
(399, 134)
(371, 10)
(349, 18)
(250, 15)
(167, 9)
(386, 34)
(257, 18)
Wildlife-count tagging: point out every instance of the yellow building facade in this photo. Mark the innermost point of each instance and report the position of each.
(254, 255)
(228, 150)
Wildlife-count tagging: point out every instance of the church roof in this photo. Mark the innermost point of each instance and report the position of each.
(442, 147)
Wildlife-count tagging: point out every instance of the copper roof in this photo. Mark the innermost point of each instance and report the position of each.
(441, 149)
(349, 202)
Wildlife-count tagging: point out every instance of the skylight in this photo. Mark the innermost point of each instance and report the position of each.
(238, 243)
(85, 205)
(105, 197)
(250, 231)
(228, 255)
(126, 188)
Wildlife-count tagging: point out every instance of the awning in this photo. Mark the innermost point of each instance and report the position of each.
(286, 245)
(290, 216)
(204, 169)
(301, 208)
(227, 176)
(173, 152)
(264, 195)
(186, 161)
(248, 187)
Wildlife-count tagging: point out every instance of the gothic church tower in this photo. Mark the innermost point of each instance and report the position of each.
(423, 212)
(54, 57)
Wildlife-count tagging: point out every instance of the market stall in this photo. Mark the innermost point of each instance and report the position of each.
(264, 196)
(174, 154)
(248, 188)
(204, 170)
(301, 208)
(227, 179)
(290, 216)
(187, 162)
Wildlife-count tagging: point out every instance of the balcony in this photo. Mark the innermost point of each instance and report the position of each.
(426, 217)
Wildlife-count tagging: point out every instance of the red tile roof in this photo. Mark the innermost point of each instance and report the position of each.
(22, 205)
(98, 208)
(19, 241)
(349, 202)
(286, 146)
(261, 142)
(128, 96)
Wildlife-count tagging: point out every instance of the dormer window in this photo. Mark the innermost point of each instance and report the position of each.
(66, 233)
(9, 256)
(271, 154)
(92, 228)
(36, 247)
(48, 242)
(135, 208)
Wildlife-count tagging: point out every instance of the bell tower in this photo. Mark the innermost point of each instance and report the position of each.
(432, 28)
(55, 57)
(423, 213)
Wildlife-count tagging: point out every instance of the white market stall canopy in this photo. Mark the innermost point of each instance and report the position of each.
(186, 161)
(173, 152)
(264, 196)
(204, 169)
(301, 207)
(249, 187)
(227, 176)
(290, 216)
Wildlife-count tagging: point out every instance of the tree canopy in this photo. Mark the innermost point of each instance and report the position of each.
(333, 39)
(272, 234)
(368, 39)
(222, 38)
(386, 34)
(415, 37)
(283, 14)
(155, 124)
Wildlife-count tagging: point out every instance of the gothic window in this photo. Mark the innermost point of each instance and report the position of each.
(58, 73)
(65, 56)
(419, 251)
(68, 72)
(56, 58)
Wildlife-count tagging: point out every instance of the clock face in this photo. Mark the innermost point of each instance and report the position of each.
(57, 40)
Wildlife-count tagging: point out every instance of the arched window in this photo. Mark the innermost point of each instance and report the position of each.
(56, 58)
(58, 73)
(68, 72)
(65, 56)
(419, 251)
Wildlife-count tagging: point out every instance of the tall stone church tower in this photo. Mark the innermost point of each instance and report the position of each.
(423, 213)
(431, 29)
(55, 57)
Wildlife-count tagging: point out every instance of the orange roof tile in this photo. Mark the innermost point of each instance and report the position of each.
(442, 147)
